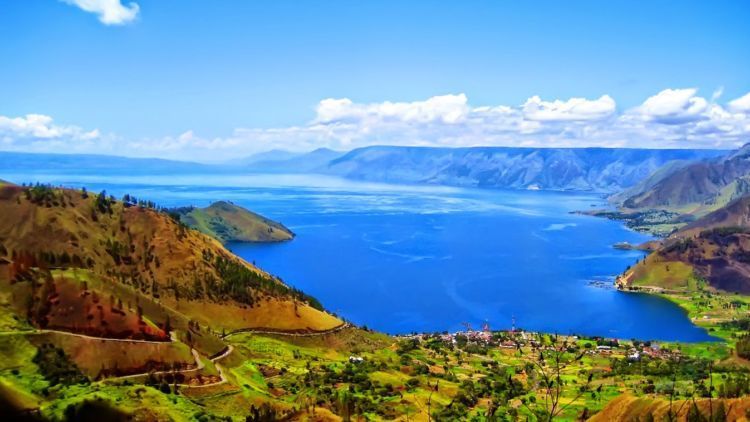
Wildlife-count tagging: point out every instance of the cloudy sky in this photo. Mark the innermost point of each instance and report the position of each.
(216, 80)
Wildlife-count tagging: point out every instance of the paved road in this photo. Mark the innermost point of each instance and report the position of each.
(68, 333)
(218, 368)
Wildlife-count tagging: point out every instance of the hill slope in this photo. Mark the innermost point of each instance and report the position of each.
(228, 222)
(714, 248)
(627, 407)
(697, 188)
(124, 246)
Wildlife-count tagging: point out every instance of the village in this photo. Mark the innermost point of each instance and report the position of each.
(486, 338)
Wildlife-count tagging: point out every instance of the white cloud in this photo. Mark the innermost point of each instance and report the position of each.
(741, 104)
(110, 12)
(674, 106)
(448, 109)
(573, 109)
(674, 118)
(38, 126)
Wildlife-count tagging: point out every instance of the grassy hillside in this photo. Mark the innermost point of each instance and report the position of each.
(630, 408)
(148, 251)
(111, 310)
(231, 223)
(713, 248)
(734, 214)
(470, 376)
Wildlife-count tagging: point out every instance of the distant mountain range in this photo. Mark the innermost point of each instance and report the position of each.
(581, 169)
(585, 169)
(287, 162)
(23, 162)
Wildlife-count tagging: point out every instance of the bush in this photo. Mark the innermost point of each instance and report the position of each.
(56, 367)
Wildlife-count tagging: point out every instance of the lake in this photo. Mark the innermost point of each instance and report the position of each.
(400, 258)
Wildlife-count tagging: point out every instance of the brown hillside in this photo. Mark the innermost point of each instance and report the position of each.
(150, 252)
(715, 247)
(734, 214)
(698, 183)
(629, 408)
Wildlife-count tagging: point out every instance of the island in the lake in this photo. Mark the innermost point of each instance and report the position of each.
(231, 223)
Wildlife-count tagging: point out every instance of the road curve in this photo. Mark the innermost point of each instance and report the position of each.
(172, 338)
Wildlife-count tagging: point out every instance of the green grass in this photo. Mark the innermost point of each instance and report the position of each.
(127, 398)
(16, 366)
(673, 275)
(288, 361)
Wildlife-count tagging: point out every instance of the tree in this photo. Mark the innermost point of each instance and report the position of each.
(743, 346)
(548, 368)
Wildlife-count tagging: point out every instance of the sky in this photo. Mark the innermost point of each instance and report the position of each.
(212, 80)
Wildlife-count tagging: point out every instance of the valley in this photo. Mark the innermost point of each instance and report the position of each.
(338, 211)
(100, 318)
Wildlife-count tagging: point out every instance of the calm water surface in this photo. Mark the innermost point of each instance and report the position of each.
(415, 258)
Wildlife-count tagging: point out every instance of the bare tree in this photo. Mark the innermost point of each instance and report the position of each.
(549, 365)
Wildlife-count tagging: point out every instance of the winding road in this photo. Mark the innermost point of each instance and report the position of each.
(199, 365)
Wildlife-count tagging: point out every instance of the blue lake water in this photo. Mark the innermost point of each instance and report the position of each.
(422, 258)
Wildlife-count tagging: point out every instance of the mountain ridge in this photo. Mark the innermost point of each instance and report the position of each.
(604, 170)
(581, 169)
(698, 184)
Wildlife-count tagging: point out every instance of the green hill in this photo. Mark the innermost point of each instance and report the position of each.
(231, 223)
